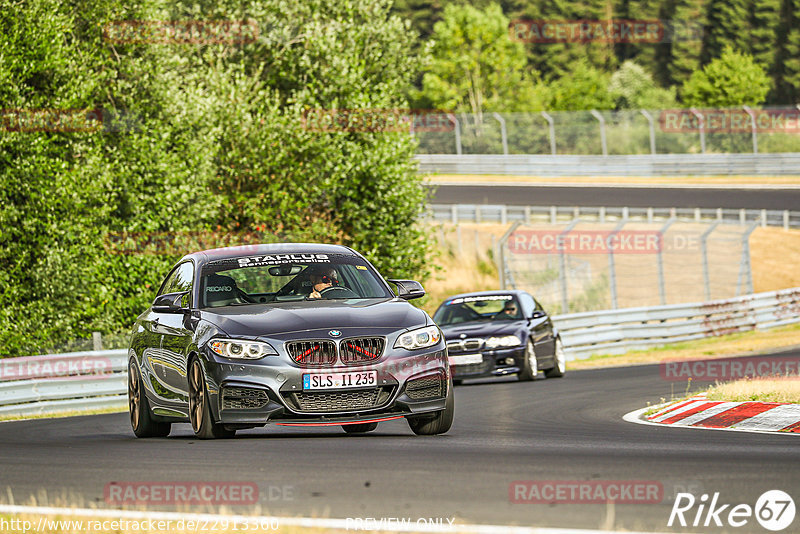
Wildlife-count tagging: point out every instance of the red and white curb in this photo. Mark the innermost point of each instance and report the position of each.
(699, 412)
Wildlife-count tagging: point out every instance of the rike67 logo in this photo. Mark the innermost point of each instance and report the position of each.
(774, 510)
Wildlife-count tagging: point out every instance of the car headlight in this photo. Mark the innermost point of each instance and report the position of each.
(241, 349)
(419, 338)
(503, 341)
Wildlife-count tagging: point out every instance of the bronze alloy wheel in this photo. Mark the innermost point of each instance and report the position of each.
(199, 410)
(197, 398)
(143, 423)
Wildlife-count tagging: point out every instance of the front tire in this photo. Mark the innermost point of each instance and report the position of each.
(142, 421)
(360, 428)
(530, 365)
(560, 359)
(200, 409)
(440, 422)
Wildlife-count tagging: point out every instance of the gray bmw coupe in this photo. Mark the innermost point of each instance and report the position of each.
(290, 334)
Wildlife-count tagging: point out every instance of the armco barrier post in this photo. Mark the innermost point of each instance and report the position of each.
(97, 341)
(704, 251)
(652, 130)
(662, 289)
(602, 121)
(552, 129)
(745, 268)
(503, 132)
(612, 273)
(562, 275)
(502, 262)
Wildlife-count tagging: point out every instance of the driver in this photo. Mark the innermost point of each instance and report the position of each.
(321, 280)
(509, 311)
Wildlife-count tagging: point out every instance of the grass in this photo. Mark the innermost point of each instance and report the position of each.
(634, 180)
(717, 347)
(58, 415)
(777, 389)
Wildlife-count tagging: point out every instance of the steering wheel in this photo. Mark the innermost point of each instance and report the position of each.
(337, 292)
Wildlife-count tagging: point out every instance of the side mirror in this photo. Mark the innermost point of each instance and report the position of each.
(538, 314)
(408, 289)
(170, 302)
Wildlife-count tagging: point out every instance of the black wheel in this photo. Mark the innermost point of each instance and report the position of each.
(142, 422)
(561, 361)
(530, 365)
(457, 381)
(360, 428)
(199, 409)
(438, 423)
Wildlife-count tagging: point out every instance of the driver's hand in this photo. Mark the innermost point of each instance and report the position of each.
(314, 295)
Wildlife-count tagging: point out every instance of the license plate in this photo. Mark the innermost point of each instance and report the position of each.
(340, 380)
(465, 359)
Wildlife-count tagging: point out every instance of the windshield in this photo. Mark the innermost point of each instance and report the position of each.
(288, 277)
(477, 309)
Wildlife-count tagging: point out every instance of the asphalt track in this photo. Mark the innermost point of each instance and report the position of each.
(619, 196)
(559, 429)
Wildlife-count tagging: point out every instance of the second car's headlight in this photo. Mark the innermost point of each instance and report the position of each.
(502, 341)
(241, 349)
(419, 338)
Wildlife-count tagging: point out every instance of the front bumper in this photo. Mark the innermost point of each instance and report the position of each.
(271, 391)
(497, 362)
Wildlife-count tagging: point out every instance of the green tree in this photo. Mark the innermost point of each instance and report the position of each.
(727, 26)
(632, 87)
(218, 144)
(476, 66)
(583, 88)
(685, 53)
(733, 79)
(765, 19)
(787, 62)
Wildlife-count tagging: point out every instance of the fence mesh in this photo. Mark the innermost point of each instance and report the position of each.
(674, 131)
(587, 266)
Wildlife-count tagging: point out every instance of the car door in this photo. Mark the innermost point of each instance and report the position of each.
(174, 329)
(541, 327)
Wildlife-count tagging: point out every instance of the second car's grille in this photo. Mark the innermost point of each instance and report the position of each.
(234, 398)
(320, 353)
(463, 345)
(361, 349)
(426, 387)
(472, 344)
(339, 401)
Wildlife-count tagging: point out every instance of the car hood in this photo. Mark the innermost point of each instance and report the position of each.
(266, 320)
(490, 328)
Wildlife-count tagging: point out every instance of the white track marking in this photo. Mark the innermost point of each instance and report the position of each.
(774, 419)
(705, 414)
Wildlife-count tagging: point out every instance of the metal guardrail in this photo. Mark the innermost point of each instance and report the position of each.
(499, 213)
(631, 165)
(618, 331)
(583, 334)
(55, 383)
